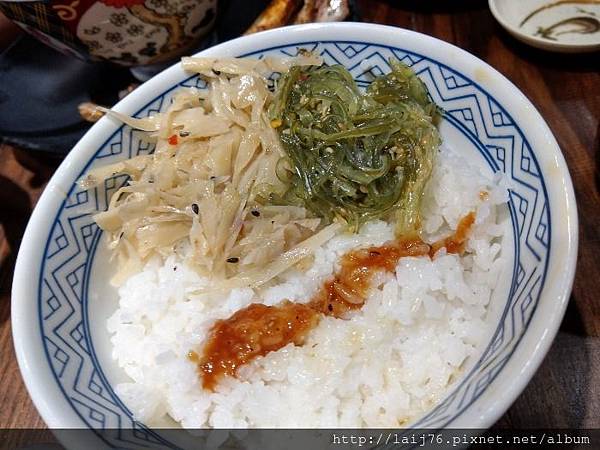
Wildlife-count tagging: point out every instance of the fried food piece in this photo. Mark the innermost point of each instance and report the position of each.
(277, 14)
(308, 13)
(323, 11)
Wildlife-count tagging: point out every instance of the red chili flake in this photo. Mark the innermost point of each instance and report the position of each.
(173, 139)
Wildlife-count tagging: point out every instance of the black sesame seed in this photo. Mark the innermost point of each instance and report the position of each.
(330, 307)
(233, 259)
(212, 177)
(184, 133)
(195, 208)
(255, 213)
(216, 72)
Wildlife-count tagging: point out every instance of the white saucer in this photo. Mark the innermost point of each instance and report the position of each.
(560, 26)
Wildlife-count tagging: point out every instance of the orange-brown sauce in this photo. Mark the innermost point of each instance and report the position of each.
(348, 289)
(249, 333)
(456, 242)
(259, 329)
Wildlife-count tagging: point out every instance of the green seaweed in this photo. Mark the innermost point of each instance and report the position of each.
(353, 155)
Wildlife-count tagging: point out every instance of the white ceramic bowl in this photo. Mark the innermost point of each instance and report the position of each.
(523, 19)
(61, 297)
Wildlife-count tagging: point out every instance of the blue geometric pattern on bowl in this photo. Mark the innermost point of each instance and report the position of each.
(72, 243)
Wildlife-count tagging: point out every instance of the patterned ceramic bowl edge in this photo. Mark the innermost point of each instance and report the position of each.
(504, 384)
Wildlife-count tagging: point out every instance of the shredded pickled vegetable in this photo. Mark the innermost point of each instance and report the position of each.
(216, 157)
(352, 155)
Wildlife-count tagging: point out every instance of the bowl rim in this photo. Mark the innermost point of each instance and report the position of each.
(38, 227)
(538, 42)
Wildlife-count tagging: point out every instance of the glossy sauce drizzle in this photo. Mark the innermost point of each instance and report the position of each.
(249, 333)
(259, 329)
(456, 242)
(348, 289)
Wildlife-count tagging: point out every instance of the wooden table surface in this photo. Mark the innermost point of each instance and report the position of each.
(565, 392)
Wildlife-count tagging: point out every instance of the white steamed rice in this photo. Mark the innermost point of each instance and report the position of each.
(384, 367)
